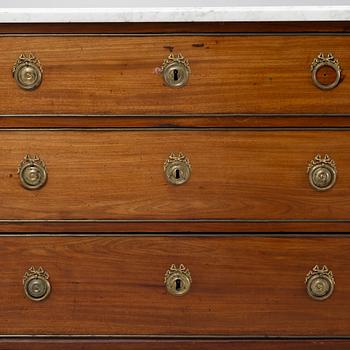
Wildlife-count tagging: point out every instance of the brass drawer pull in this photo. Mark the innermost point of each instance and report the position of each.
(32, 172)
(176, 70)
(36, 284)
(27, 72)
(322, 173)
(325, 71)
(177, 169)
(178, 280)
(320, 283)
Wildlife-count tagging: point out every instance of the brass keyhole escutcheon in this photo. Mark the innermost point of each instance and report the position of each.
(27, 72)
(32, 172)
(177, 169)
(325, 71)
(178, 280)
(175, 70)
(320, 283)
(322, 173)
(36, 284)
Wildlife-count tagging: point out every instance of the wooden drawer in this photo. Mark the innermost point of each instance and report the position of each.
(94, 344)
(118, 176)
(230, 74)
(109, 285)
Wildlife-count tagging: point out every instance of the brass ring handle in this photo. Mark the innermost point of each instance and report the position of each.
(32, 172)
(322, 173)
(36, 284)
(176, 70)
(177, 169)
(178, 280)
(27, 72)
(325, 71)
(320, 283)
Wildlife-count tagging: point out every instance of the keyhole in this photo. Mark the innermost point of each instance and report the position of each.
(178, 284)
(176, 75)
(177, 174)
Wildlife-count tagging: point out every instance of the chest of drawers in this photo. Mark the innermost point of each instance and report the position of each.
(143, 167)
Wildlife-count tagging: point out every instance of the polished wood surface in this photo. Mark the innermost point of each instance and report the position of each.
(118, 175)
(116, 75)
(241, 286)
(244, 75)
(83, 226)
(161, 122)
(323, 27)
(93, 344)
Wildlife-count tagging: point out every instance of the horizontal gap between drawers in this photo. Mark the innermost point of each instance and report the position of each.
(172, 34)
(171, 129)
(181, 115)
(163, 221)
(144, 221)
(178, 235)
(172, 337)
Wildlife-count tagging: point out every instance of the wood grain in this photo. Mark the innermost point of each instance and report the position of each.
(176, 28)
(111, 75)
(161, 122)
(114, 285)
(180, 227)
(118, 175)
(93, 344)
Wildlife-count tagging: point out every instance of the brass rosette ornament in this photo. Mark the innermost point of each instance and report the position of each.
(36, 284)
(32, 172)
(27, 72)
(178, 280)
(176, 70)
(177, 169)
(322, 172)
(326, 71)
(320, 283)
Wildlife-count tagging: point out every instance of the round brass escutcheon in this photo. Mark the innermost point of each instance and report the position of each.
(37, 288)
(176, 71)
(178, 280)
(322, 173)
(325, 72)
(320, 283)
(322, 177)
(177, 169)
(27, 72)
(32, 173)
(176, 75)
(36, 284)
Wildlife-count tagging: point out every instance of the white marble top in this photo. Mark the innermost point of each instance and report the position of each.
(12, 11)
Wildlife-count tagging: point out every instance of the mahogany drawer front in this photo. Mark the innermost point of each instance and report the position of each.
(230, 74)
(94, 344)
(114, 285)
(118, 175)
